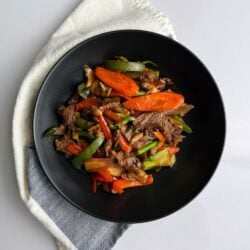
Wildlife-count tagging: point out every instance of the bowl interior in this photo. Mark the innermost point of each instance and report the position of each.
(200, 151)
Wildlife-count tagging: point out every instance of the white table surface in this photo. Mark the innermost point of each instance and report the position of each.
(216, 31)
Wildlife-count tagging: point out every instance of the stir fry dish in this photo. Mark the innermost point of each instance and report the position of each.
(122, 122)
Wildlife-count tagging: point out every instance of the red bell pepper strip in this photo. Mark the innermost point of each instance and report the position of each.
(88, 103)
(124, 144)
(120, 184)
(105, 174)
(105, 128)
(112, 115)
(102, 176)
(173, 149)
(74, 149)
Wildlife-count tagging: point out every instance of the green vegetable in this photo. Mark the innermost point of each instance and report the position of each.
(122, 115)
(83, 91)
(134, 74)
(50, 133)
(180, 122)
(86, 135)
(87, 153)
(124, 66)
(150, 62)
(126, 120)
(140, 93)
(147, 147)
(160, 159)
(83, 124)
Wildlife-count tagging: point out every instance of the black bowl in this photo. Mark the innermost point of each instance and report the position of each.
(200, 152)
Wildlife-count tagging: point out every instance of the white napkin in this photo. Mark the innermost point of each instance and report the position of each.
(91, 17)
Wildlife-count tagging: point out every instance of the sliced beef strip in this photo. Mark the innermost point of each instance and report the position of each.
(75, 98)
(100, 153)
(110, 106)
(111, 99)
(122, 110)
(68, 115)
(62, 143)
(148, 76)
(60, 130)
(96, 130)
(181, 110)
(161, 121)
(108, 148)
(140, 143)
(128, 134)
(128, 162)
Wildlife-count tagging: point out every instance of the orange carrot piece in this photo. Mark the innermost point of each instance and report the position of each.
(124, 144)
(160, 137)
(112, 115)
(117, 81)
(155, 102)
(120, 184)
(87, 103)
(105, 128)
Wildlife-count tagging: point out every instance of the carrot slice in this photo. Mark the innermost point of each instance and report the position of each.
(105, 128)
(87, 103)
(155, 102)
(117, 81)
(124, 144)
(112, 115)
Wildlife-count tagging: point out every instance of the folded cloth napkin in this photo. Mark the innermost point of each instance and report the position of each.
(72, 228)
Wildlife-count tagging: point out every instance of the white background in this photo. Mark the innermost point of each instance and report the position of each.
(218, 32)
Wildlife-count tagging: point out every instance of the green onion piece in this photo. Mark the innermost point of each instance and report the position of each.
(49, 133)
(124, 66)
(83, 91)
(150, 62)
(122, 115)
(87, 153)
(160, 159)
(179, 121)
(83, 124)
(86, 135)
(140, 93)
(147, 147)
(126, 120)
